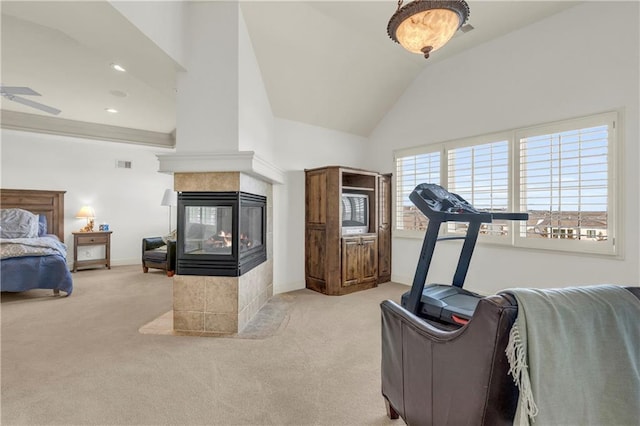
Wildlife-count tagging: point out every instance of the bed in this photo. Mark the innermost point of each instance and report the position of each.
(33, 257)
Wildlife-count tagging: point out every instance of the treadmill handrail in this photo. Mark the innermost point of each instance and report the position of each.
(429, 210)
(510, 216)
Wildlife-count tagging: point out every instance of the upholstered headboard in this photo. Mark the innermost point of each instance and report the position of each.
(48, 203)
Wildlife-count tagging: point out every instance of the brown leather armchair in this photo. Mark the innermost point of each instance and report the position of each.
(432, 376)
(158, 254)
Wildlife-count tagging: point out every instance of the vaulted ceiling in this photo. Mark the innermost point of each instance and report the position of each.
(325, 63)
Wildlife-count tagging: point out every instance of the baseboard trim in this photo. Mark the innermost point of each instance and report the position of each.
(402, 279)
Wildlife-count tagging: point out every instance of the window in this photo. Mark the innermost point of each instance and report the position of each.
(204, 215)
(561, 173)
(480, 174)
(566, 185)
(412, 170)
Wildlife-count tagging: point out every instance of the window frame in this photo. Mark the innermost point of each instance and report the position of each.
(479, 141)
(412, 152)
(611, 247)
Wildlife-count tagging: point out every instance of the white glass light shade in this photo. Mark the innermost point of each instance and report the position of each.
(86, 211)
(432, 28)
(170, 198)
(423, 26)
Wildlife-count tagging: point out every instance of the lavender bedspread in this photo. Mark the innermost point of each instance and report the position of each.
(40, 263)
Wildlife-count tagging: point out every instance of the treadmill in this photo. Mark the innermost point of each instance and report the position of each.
(450, 305)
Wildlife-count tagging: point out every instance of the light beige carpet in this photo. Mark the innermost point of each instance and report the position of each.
(82, 361)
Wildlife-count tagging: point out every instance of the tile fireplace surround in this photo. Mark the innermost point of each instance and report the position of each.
(212, 305)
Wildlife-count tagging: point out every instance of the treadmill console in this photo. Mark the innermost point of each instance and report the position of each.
(439, 199)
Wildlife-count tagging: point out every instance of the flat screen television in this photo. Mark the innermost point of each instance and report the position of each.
(355, 213)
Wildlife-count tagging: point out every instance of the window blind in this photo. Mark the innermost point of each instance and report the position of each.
(564, 184)
(412, 170)
(480, 175)
(204, 215)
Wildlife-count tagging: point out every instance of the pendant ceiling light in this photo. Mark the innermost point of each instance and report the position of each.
(424, 26)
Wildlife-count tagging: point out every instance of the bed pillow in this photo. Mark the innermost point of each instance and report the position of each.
(18, 223)
(42, 225)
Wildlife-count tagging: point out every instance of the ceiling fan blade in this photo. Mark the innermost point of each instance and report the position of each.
(35, 105)
(18, 91)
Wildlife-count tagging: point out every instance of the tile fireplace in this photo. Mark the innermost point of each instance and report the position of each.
(225, 242)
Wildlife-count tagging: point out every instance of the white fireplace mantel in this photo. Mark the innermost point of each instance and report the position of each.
(238, 161)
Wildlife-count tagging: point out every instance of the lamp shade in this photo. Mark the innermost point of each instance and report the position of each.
(86, 212)
(424, 26)
(170, 198)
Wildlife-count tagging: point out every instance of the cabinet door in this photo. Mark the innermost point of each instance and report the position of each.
(316, 197)
(384, 228)
(350, 261)
(315, 246)
(368, 259)
(359, 260)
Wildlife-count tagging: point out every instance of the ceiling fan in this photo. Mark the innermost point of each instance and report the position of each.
(11, 92)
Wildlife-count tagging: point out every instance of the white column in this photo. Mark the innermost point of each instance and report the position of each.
(207, 108)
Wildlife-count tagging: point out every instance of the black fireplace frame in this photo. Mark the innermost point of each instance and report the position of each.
(223, 265)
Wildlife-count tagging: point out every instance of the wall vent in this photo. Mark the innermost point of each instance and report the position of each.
(121, 164)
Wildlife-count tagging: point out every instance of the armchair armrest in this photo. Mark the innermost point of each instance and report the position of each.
(152, 243)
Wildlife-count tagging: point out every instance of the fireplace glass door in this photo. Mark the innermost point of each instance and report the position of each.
(208, 230)
(250, 227)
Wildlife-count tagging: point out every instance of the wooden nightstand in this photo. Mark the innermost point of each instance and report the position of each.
(102, 238)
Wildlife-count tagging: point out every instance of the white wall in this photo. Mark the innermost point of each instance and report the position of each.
(127, 199)
(161, 21)
(579, 62)
(301, 146)
(255, 118)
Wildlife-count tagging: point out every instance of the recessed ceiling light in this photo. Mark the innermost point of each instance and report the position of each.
(118, 67)
(111, 110)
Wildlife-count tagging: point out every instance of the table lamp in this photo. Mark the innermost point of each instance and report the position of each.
(88, 213)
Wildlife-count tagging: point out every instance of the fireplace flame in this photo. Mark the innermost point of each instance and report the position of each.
(226, 237)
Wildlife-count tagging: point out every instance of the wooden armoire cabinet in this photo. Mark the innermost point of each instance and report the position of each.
(347, 229)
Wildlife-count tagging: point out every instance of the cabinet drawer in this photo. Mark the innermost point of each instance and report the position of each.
(99, 239)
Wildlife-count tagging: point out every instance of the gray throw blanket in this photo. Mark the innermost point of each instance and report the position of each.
(41, 246)
(575, 355)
